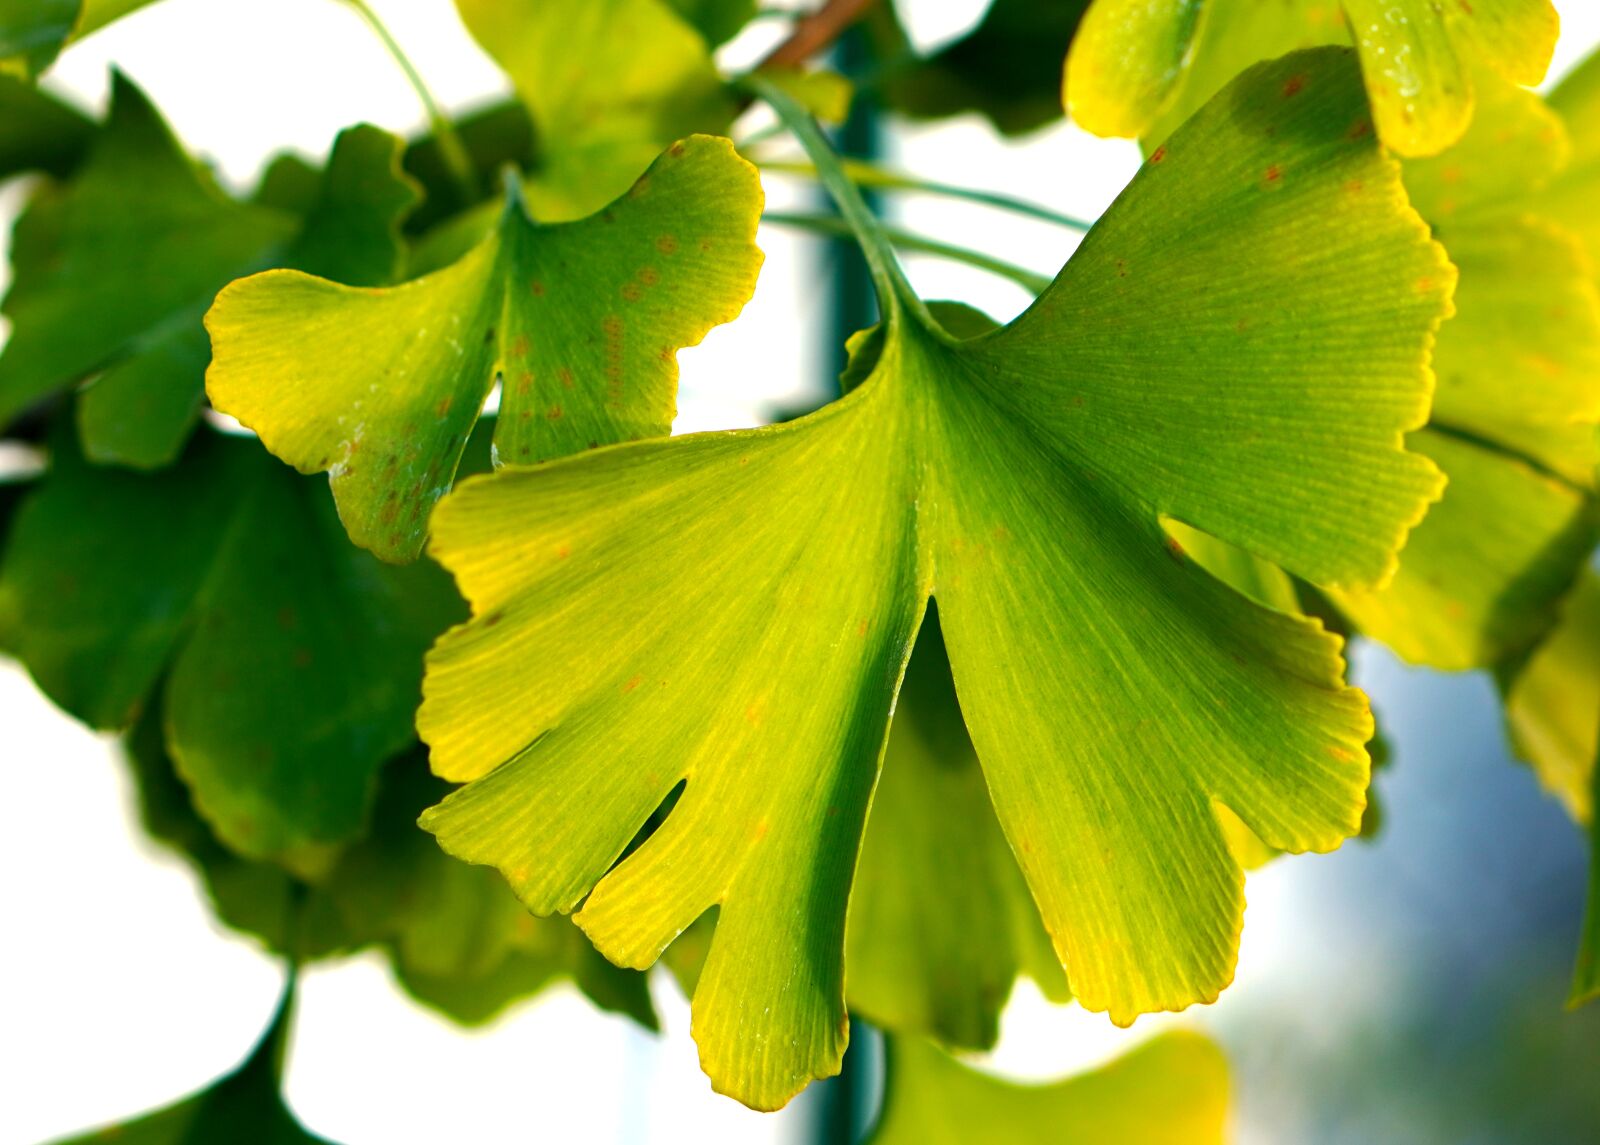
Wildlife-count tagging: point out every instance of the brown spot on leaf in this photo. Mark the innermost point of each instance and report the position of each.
(676, 150)
(1293, 86)
(1175, 550)
(632, 683)
(493, 618)
(537, 288)
(519, 346)
(524, 381)
(649, 275)
(444, 405)
(667, 244)
(553, 413)
(1158, 154)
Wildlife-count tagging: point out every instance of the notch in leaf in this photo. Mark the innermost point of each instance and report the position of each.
(735, 610)
(381, 387)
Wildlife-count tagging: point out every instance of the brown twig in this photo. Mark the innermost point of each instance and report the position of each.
(816, 32)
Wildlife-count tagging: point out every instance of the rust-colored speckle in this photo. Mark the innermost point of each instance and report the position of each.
(667, 244)
(389, 513)
(444, 405)
(524, 381)
(1293, 86)
(1360, 129)
(525, 415)
(519, 346)
(537, 288)
(632, 683)
(649, 276)
(1272, 175)
(1343, 755)
(564, 376)
(1158, 154)
(863, 627)
(563, 552)
(1175, 550)
(493, 618)
(553, 413)
(676, 150)
(1425, 285)
(1354, 187)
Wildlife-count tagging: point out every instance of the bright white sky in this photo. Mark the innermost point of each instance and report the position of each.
(118, 993)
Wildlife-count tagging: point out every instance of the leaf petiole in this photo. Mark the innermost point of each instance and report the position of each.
(451, 149)
(905, 240)
(865, 174)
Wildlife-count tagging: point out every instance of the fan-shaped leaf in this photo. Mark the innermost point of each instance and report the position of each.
(735, 610)
(381, 387)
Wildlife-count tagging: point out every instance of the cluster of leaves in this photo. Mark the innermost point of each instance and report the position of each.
(1149, 509)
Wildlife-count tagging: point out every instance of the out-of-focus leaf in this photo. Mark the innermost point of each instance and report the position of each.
(39, 132)
(609, 84)
(291, 659)
(825, 94)
(734, 610)
(494, 138)
(1553, 709)
(1172, 1090)
(121, 264)
(1007, 68)
(141, 236)
(33, 32)
(1138, 68)
(583, 321)
(244, 1108)
(716, 20)
(941, 922)
(1570, 199)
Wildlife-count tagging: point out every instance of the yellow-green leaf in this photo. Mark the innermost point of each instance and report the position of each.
(1139, 68)
(1240, 344)
(1172, 1090)
(381, 387)
(609, 83)
(941, 922)
(33, 32)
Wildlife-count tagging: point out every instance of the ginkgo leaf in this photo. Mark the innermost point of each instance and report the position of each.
(609, 84)
(1172, 1090)
(246, 1106)
(717, 20)
(33, 32)
(1008, 67)
(1137, 68)
(291, 660)
(735, 610)
(39, 132)
(141, 235)
(126, 258)
(381, 387)
(1516, 409)
(941, 922)
(458, 940)
(1553, 710)
(1571, 197)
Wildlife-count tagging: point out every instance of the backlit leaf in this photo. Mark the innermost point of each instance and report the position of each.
(381, 387)
(1172, 1090)
(735, 610)
(1571, 197)
(1515, 412)
(941, 922)
(1139, 67)
(609, 84)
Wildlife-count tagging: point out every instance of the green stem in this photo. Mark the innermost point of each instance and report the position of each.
(905, 240)
(870, 175)
(887, 278)
(451, 149)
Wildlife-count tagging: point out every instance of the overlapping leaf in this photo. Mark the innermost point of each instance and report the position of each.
(1515, 414)
(735, 610)
(290, 660)
(609, 84)
(941, 922)
(33, 32)
(1138, 68)
(458, 941)
(1172, 1090)
(1553, 709)
(381, 387)
(115, 269)
(37, 131)
(1007, 68)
